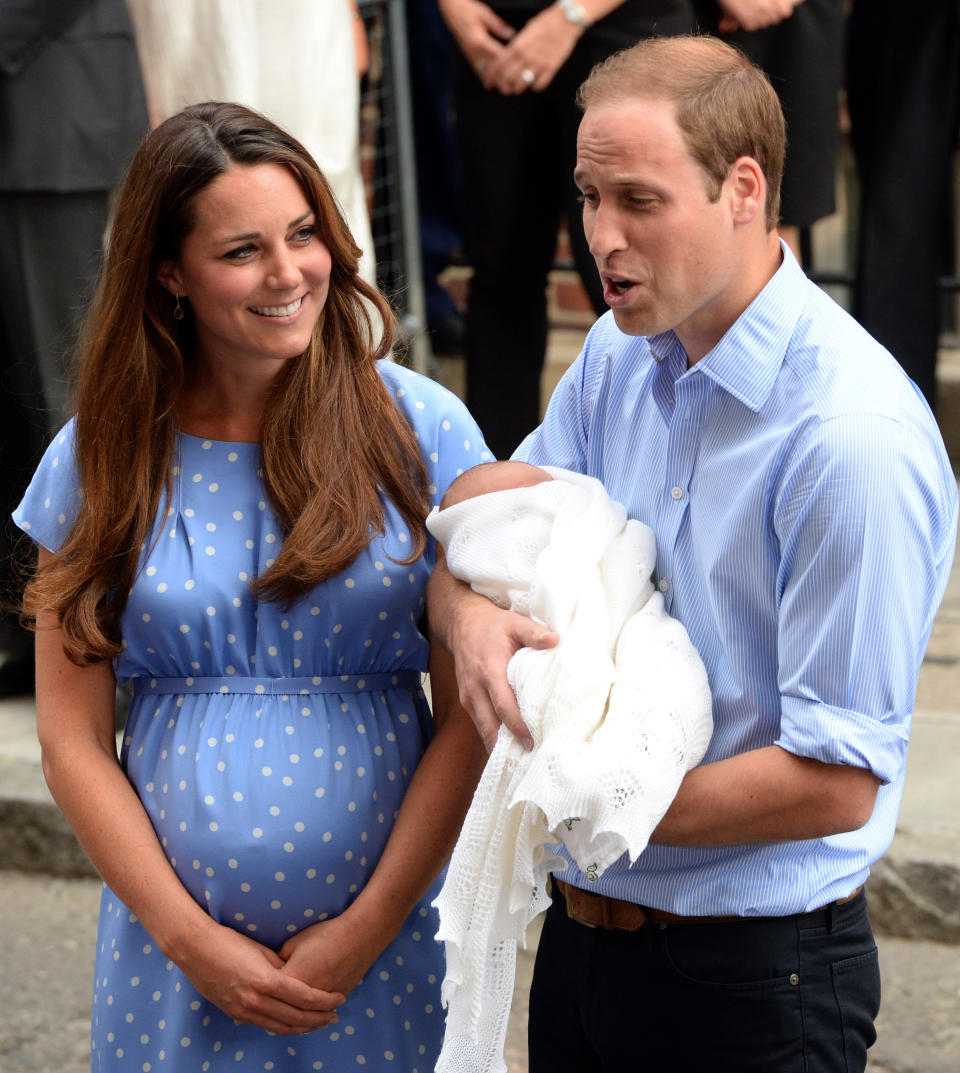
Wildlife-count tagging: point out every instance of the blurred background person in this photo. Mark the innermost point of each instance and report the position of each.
(799, 43)
(903, 88)
(439, 177)
(71, 115)
(299, 62)
(515, 82)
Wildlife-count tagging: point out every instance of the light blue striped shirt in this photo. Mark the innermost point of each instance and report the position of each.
(805, 514)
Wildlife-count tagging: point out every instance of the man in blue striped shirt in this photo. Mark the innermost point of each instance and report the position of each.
(805, 514)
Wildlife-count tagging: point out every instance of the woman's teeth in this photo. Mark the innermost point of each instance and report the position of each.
(279, 311)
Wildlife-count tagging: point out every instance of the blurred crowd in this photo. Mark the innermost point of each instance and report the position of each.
(494, 114)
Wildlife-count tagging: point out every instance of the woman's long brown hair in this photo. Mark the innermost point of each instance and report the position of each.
(332, 440)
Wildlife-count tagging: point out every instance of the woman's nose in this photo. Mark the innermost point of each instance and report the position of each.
(284, 270)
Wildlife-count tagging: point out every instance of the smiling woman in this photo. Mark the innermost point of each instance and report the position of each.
(256, 275)
(233, 522)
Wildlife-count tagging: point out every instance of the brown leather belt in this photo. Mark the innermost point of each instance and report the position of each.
(601, 911)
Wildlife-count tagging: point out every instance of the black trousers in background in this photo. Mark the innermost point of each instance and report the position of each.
(903, 86)
(775, 995)
(518, 154)
(803, 56)
(50, 246)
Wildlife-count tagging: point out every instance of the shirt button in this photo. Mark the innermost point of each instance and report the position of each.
(664, 584)
(794, 979)
(676, 492)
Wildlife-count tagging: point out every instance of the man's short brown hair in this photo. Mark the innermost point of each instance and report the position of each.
(726, 107)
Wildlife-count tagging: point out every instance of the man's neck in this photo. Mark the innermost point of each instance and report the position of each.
(756, 271)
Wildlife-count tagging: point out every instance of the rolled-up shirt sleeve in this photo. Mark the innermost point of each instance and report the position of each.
(866, 521)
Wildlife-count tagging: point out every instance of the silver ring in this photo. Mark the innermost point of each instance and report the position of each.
(528, 76)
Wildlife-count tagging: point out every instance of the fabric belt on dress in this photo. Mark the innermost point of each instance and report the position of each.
(602, 911)
(284, 687)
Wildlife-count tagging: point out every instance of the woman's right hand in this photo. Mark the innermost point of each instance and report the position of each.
(480, 33)
(246, 980)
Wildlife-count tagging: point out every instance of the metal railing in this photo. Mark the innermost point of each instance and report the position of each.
(387, 156)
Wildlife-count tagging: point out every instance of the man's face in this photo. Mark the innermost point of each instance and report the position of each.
(665, 252)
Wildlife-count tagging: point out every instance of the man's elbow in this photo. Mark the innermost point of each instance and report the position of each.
(852, 799)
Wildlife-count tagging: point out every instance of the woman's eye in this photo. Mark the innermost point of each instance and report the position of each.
(239, 253)
(304, 234)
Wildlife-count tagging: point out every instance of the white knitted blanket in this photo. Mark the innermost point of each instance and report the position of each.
(619, 711)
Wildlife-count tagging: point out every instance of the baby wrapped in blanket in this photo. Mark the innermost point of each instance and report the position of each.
(619, 710)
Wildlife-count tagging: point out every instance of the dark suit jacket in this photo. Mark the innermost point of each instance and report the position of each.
(72, 108)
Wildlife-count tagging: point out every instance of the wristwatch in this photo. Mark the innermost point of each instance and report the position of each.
(575, 13)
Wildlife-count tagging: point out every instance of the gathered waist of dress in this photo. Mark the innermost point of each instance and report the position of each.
(285, 687)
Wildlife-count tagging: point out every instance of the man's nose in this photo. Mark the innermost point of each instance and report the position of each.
(604, 231)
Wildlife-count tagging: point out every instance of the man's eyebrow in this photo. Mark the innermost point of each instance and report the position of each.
(579, 176)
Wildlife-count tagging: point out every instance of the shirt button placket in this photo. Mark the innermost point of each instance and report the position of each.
(683, 437)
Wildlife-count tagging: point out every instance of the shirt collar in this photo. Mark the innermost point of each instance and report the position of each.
(747, 360)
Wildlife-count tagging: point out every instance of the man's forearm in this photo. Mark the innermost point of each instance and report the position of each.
(767, 795)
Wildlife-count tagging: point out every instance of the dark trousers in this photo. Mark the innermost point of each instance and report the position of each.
(518, 154)
(50, 247)
(903, 84)
(808, 92)
(775, 995)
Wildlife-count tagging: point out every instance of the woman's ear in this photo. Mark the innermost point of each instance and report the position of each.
(168, 275)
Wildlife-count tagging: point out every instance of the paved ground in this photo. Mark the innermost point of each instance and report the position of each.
(47, 931)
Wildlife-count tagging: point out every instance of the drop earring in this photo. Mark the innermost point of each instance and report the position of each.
(178, 310)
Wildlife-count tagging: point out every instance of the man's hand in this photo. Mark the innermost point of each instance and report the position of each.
(480, 33)
(483, 640)
(753, 14)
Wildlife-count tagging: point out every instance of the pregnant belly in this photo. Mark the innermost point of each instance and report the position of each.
(271, 823)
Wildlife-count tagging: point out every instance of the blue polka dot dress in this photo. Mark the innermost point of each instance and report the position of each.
(271, 749)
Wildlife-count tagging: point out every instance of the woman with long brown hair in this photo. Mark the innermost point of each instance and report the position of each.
(233, 522)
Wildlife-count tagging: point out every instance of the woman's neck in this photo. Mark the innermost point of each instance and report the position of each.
(219, 407)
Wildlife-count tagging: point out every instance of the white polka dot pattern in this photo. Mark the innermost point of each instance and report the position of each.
(273, 804)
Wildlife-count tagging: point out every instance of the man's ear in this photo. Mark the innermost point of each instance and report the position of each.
(168, 275)
(748, 190)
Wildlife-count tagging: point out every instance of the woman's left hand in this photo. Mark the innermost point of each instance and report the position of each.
(532, 58)
(335, 949)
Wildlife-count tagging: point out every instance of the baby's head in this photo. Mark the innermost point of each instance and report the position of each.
(493, 477)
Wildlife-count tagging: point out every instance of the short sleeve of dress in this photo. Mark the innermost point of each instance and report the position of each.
(450, 440)
(50, 502)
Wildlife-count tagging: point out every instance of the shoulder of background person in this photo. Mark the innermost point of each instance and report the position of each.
(72, 108)
(28, 26)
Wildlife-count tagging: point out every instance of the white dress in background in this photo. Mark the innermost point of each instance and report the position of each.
(293, 60)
